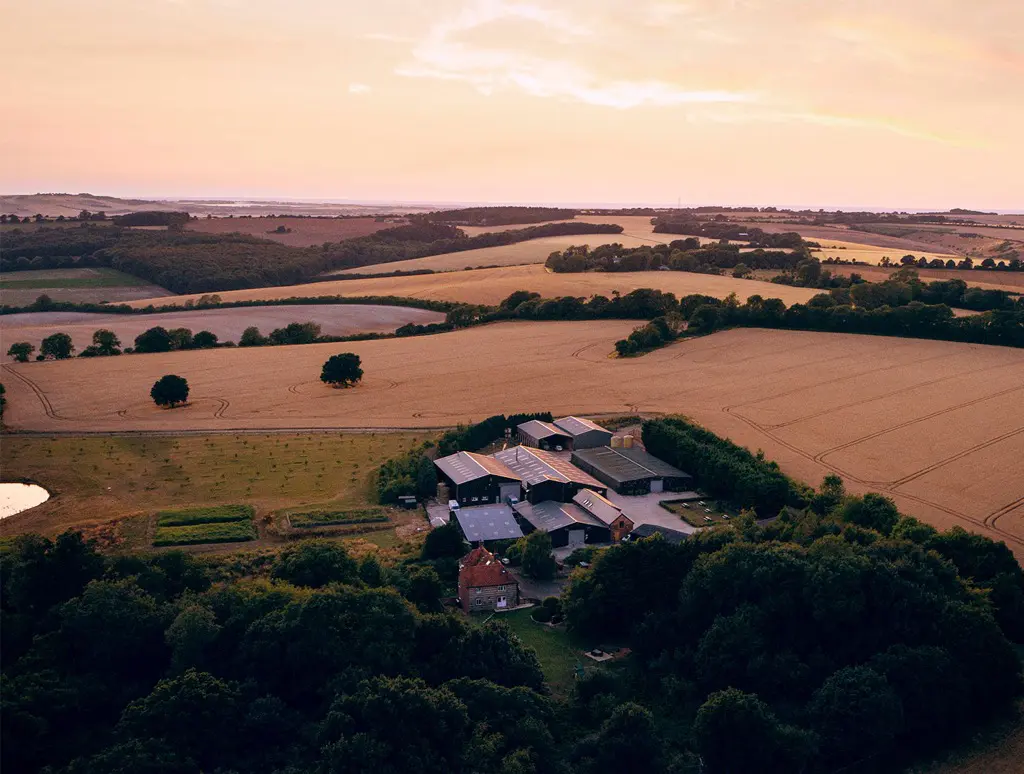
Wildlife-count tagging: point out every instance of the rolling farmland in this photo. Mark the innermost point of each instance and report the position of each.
(489, 286)
(301, 232)
(939, 426)
(228, 324)
(83, 286)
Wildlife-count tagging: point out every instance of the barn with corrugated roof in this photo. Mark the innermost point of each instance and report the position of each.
(476, 479)
(545, 475)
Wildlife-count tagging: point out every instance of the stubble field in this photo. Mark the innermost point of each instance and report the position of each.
(489, 286)
(228, 324)
(939, 426)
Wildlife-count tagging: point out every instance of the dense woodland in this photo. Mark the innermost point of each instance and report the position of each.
(189, 262)
(841, 634)
(678, 255)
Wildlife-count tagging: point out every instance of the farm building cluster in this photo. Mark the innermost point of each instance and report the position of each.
(557, 480)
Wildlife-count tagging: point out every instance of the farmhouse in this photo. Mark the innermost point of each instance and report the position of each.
(606, 512)
(584, 433)
(631, 471)
(545, 475)
(543, 435)
(477, 479)
(649, 530)
(567, 523)
(487, 522)
(484, 584)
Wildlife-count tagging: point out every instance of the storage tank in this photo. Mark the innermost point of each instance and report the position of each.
(616, 441)
(627, 441)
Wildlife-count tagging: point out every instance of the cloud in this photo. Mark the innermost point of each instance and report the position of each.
(449, 52)
(359, 88)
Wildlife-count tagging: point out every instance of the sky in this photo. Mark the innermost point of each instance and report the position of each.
(908, 104)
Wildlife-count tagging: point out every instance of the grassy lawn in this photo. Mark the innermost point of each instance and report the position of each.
(96, 479)
(558, 652)
(69, 278)
(697, 515)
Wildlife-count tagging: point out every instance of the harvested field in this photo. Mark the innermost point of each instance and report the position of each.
(855, 251)
(228, 324)
(21, 288)
(530, 251)
(829, 234)
(939, 426)
(303, 232)
(489, 286)
(1010, 281)
(632, 225)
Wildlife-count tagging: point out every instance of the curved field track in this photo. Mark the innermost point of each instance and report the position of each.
(489, 286)
(228, 324)
(938, 426)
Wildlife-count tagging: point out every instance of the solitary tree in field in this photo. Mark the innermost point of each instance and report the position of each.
(169, 390)
(342, 370)
(21, 351)
(58, 346)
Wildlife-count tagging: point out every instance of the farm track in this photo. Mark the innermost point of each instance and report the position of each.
(1007, 509)
(45, 401)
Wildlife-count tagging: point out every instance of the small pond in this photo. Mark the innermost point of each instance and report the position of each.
(15, 498)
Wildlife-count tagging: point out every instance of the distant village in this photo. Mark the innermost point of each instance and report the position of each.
(572, 479)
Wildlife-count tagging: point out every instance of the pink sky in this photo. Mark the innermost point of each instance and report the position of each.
(889, 103)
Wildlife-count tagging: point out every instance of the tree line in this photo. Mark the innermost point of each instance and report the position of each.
(678, 255)
(191, 262)
(494, 216)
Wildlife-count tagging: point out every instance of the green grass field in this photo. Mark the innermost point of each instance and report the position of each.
(69, 278)
(330, 518)
(96, 479)
(211, 515)
(198, 534)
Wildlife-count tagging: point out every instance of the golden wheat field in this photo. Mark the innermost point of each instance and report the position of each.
(872, 254)
(530, 251)
(939, 426)
(489, 286)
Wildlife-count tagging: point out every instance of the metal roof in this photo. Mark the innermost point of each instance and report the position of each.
(628, 464)
(600, 507)
(647, 530)
(535, 465)
(537, 429)
(550, 515)
(576, 426)
(488, 522)
(467, 466)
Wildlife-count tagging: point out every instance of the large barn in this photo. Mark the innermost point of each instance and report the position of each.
(567, 523)
(483, 523)
(545, 475)
(631, 471)
(543, 435)
(584, 433)
(476, 479)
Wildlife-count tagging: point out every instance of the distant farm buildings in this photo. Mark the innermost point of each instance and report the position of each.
(523, 489)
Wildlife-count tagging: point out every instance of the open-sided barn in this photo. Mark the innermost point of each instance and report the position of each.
(631, 471)
(545, 475)
(567, 523)
(584, 433)
(477, 479)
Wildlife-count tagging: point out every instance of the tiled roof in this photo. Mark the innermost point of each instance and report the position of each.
(480, 568)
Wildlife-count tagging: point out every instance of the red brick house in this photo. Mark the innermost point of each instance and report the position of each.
(485, 584)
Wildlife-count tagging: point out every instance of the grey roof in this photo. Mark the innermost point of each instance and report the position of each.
(647, 530)
(575, 426)
(468, 466)
(601, 508)
(535, 465)
(537, 429)
(628, 464)
(488, 522)
(550, 515)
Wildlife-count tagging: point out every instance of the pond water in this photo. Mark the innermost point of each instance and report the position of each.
(15, 498)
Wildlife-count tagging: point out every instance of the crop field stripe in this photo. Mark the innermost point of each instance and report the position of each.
(900, 391)
(955, 457)
(821, 456)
